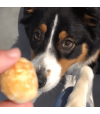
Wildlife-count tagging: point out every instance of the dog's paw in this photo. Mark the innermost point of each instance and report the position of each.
(78, 97)
(70, 81)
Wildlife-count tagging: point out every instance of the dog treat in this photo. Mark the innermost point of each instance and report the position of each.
(20, 83)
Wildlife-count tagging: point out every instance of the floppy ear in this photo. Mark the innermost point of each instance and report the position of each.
(91, 15)
(28, 11)
(90, 20)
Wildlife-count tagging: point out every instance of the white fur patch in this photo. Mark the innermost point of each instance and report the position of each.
(48, 61)
(52, 80)
(52, 33)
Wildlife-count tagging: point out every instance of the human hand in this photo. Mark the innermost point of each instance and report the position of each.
(7, 59)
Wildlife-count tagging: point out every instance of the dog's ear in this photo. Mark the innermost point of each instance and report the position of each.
(28, 11)
(90, 20)
(91, 16)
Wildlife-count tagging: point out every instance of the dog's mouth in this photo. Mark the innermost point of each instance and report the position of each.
(41, 77)
(47, 80)
(42, 83)
(48, 72)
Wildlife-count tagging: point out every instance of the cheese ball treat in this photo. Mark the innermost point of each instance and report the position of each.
(20, 83)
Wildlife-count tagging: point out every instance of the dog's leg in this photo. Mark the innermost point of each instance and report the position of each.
(72, 75)
(78, 97)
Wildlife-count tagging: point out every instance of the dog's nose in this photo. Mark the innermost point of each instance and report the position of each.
(42, 82)
(41, 77)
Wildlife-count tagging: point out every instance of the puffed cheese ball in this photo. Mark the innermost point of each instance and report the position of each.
(20, 83)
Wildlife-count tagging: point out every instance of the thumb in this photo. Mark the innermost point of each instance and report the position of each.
(8, 58)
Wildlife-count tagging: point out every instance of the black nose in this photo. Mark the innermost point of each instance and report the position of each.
(41, 78)
(42, 82)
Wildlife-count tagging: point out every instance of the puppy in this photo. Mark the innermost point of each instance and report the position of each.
(62, 40)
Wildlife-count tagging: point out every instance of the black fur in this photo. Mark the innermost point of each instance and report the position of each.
(70, 20)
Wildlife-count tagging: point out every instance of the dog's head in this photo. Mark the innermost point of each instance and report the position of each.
(60, 38)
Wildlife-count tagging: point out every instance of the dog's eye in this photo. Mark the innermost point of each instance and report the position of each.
(68, 44)
(37, 35)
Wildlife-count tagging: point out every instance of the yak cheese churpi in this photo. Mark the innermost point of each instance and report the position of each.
(20, 83)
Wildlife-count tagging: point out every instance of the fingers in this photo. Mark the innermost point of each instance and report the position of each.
(9, 103)
(8, 58)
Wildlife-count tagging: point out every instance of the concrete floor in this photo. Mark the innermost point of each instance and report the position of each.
(12, 34)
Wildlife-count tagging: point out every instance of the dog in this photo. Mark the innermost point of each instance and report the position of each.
(65, 41)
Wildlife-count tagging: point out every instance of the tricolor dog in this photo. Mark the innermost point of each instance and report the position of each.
(65, 41)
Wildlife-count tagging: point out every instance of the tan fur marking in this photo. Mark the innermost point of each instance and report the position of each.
(32, 54)
(48, 73)
(65, 63)
(87, 19)
(30, 9)
(62, 35)
(43, 27)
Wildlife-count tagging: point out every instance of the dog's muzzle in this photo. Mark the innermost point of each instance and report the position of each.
(41, 77)
(48, 71)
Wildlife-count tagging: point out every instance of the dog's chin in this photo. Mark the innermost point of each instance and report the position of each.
(46, 88)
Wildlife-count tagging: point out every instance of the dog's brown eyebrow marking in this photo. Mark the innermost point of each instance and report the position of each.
(43, 28)
(63, 34)
(30, 9)
(66, 63)
(87, 18)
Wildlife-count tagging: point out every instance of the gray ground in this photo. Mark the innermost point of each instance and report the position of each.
(12, 34)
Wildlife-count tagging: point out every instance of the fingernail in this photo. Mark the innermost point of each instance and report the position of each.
(13, 52)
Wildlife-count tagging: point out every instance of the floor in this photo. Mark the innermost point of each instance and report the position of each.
(12, 34)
